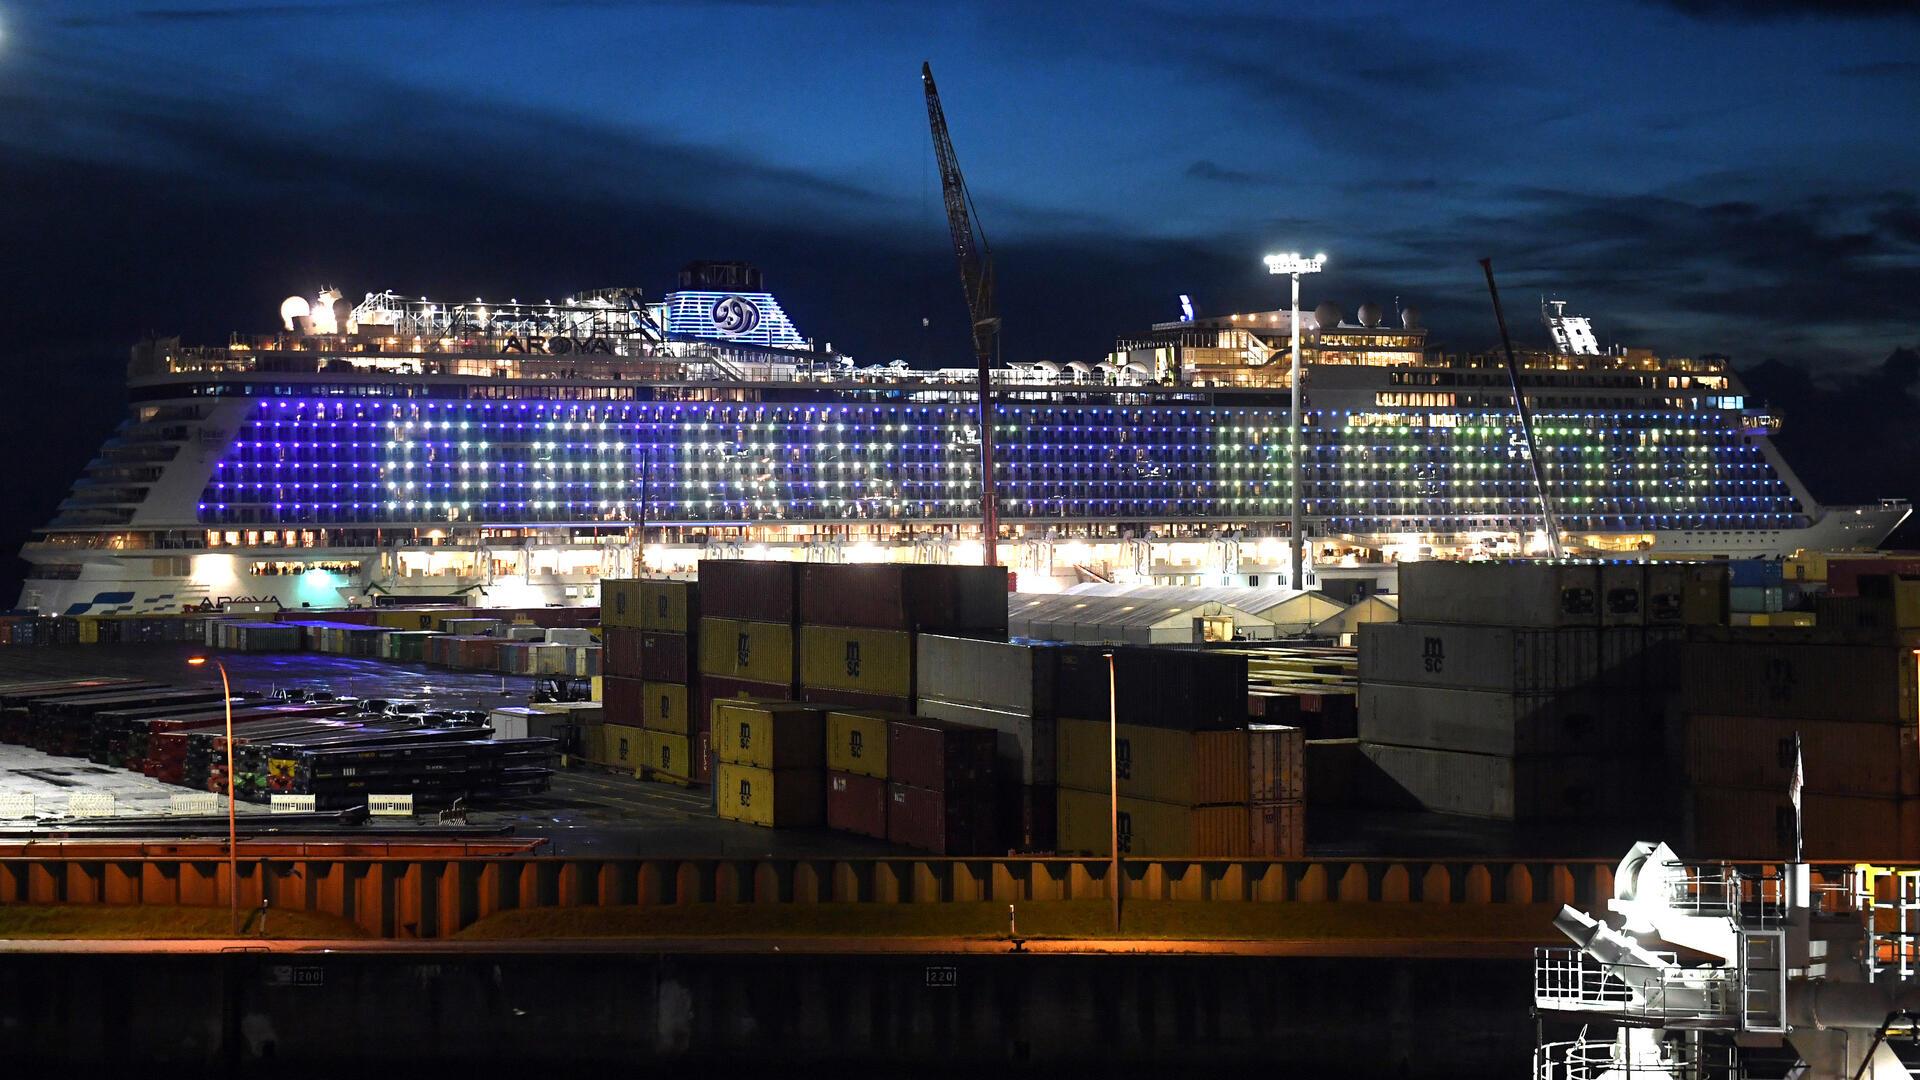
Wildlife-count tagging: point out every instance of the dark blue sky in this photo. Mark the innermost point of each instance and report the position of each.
(1696, 175)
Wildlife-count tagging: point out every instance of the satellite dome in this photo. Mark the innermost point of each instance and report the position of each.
(1369, 314)
(1410, 318)
(292, 308)
(1328, 315)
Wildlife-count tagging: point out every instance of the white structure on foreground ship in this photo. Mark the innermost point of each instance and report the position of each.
(1694, 967)
(515, 454)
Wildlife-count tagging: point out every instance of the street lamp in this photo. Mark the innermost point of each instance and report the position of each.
(1293, 265)
(1113, 791)
(233, 856)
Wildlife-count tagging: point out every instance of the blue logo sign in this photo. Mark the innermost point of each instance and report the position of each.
(734, 315)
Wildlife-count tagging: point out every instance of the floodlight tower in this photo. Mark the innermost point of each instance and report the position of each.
(1293, 265)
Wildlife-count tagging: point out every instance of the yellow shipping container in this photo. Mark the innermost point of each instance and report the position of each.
(89, 630)
(867, 661)
(769, 734)
(1147, 828)
(663, 707)
(668, 758)
(402, 619)
(620, 602)
(857, 743)
(621, 744)
(737, 649)
(599, 688)
(1154, 763)
(666, 605)
(781, 799)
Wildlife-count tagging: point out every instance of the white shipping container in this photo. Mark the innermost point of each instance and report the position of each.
(1518, 789)
(1478, 657)
(1027, 745)
(516, 723)
(1533, 594)
(991, 674)
(1515, 725)
(569, 635)
(1623, 594)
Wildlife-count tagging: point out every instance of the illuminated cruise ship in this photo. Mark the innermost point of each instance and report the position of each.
(517, 453)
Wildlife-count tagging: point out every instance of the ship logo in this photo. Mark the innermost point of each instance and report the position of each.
(734, 315)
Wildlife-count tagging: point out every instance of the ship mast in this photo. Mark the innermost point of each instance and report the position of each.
(976, 278)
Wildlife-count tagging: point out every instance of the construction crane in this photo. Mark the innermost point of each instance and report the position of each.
(976, 278)
(1526, 420)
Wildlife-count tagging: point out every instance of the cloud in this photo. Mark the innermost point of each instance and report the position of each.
(1204, 169)
(1739, 10)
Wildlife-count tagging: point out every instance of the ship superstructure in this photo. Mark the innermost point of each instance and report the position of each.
(516, 453)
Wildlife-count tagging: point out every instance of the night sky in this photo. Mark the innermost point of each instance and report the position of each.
(1695, 175)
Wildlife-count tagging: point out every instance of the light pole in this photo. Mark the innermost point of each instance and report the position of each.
(1293, 265)
(1113, 789)
(233, 855)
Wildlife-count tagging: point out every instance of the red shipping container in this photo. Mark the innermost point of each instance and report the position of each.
(663, 656)
(888, 596)
(620, 652)
(857, 804)
(940, 756)
(622, 700)
(854, 699)
(752, 590)
(1843, 575)
(954, 822)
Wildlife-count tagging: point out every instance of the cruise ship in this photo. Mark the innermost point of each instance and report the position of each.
(401, 449)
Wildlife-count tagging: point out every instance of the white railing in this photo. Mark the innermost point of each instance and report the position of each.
(1568, 980)
(1600, 1059)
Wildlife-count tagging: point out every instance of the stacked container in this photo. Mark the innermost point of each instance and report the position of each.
(1529, 691)
(622, 691)
(669, 622)
(940, 787)
(1008, 689)
(857, 772)
(1849, 694)
(769, 762)
(746, 644)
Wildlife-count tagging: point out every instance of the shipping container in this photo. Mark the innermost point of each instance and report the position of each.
(1026, 747)
(756, 651)
(1484, 657)
(854, 700)
(857, 803)
(1753, 574)
(777, 798)
(1146, 829)
(906, 597)
(857, 742)
(623, 700)
(622, 744)
(1510, 725)
(1026, 815)
(769, 734)
(997, 675)
(1188, 689)
(1261, 831)
(620, 604)
(939, 755)
(1742, 598)
(865, 661)
(1704, 599)
(1843, 575)
(953, 821)
(1082, 684)
(750, 591)
(1522, 789)
(1666, 592)
(667, 757)
(1761, 673)
(1262, 763)
(1757, 823)
(1840, 757)
(1623, 594)
(1150, 763)
(666, 707)
(665, 657)
(1530, 594)
(668, 606)
(710, 690)
(622, 647)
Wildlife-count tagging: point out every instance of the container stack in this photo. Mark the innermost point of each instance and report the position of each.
(669, 624)
(1754, 587)
(622, 690)
(1009, 690)
(1530, 691)
(746, 645)
(857, 772)
(769, 762)
(940, 786)
(1847, 693)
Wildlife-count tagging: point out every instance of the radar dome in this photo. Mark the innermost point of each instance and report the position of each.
(1369, 314)
(293, 308)
(1328, 315)
(1410, 318)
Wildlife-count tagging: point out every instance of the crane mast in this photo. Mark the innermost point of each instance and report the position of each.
(976, 279)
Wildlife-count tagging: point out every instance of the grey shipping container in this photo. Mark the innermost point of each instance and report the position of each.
(1025, 746)
(1757, 823)
(1623, 594)
(991, 674)
(1535, 594)
(1501, 658)
(1518, 789)
(1514, 725)
(1762, 675)
(1766, 598)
